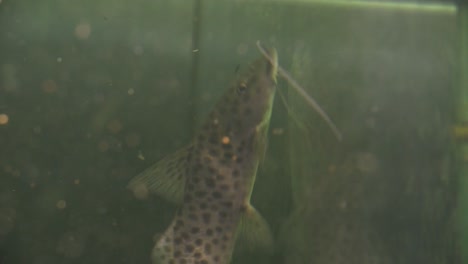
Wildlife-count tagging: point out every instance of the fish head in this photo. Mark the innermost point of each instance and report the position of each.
(248, 101)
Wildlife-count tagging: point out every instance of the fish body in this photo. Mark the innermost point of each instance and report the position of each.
(212, 179)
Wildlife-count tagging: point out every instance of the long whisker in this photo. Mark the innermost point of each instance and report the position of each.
(291, 113)
(302, 92)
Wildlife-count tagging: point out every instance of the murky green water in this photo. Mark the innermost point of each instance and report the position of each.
(93, 92)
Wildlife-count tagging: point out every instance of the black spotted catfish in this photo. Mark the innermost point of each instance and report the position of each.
(212, 178)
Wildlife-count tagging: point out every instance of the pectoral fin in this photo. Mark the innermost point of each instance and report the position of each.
(254, 232)
(166, 178)
(261, 140)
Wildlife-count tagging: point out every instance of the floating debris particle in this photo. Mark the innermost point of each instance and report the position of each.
(103, 146)
(140, 155)
(370, 122)
(49, 86)
(278, 131)
(83, 30)
(114, 126)
(460, 132)
(375, 109)
(7, 220)
(16, 173)
(343, 204)
(7, 168)
(59, 59)
(132, 140)
(76, 181)
(8, 198)
(140, 191)
(37, 130)
(4, 119)
(366, 162)
(71, 245)
(9, 77)
(138, 50)
(61, 204)
(101, 208)
(242, 48)
(131, 91)
(225, 140)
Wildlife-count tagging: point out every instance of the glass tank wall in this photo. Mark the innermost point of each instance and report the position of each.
(94, 92)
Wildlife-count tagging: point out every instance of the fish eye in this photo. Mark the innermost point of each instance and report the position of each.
(242, 88)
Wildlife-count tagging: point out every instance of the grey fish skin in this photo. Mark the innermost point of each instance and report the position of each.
(217, 173)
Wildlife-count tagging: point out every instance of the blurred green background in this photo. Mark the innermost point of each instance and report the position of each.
(93, 92)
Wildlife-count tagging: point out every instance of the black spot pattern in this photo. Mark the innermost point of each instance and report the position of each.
(219, 171)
